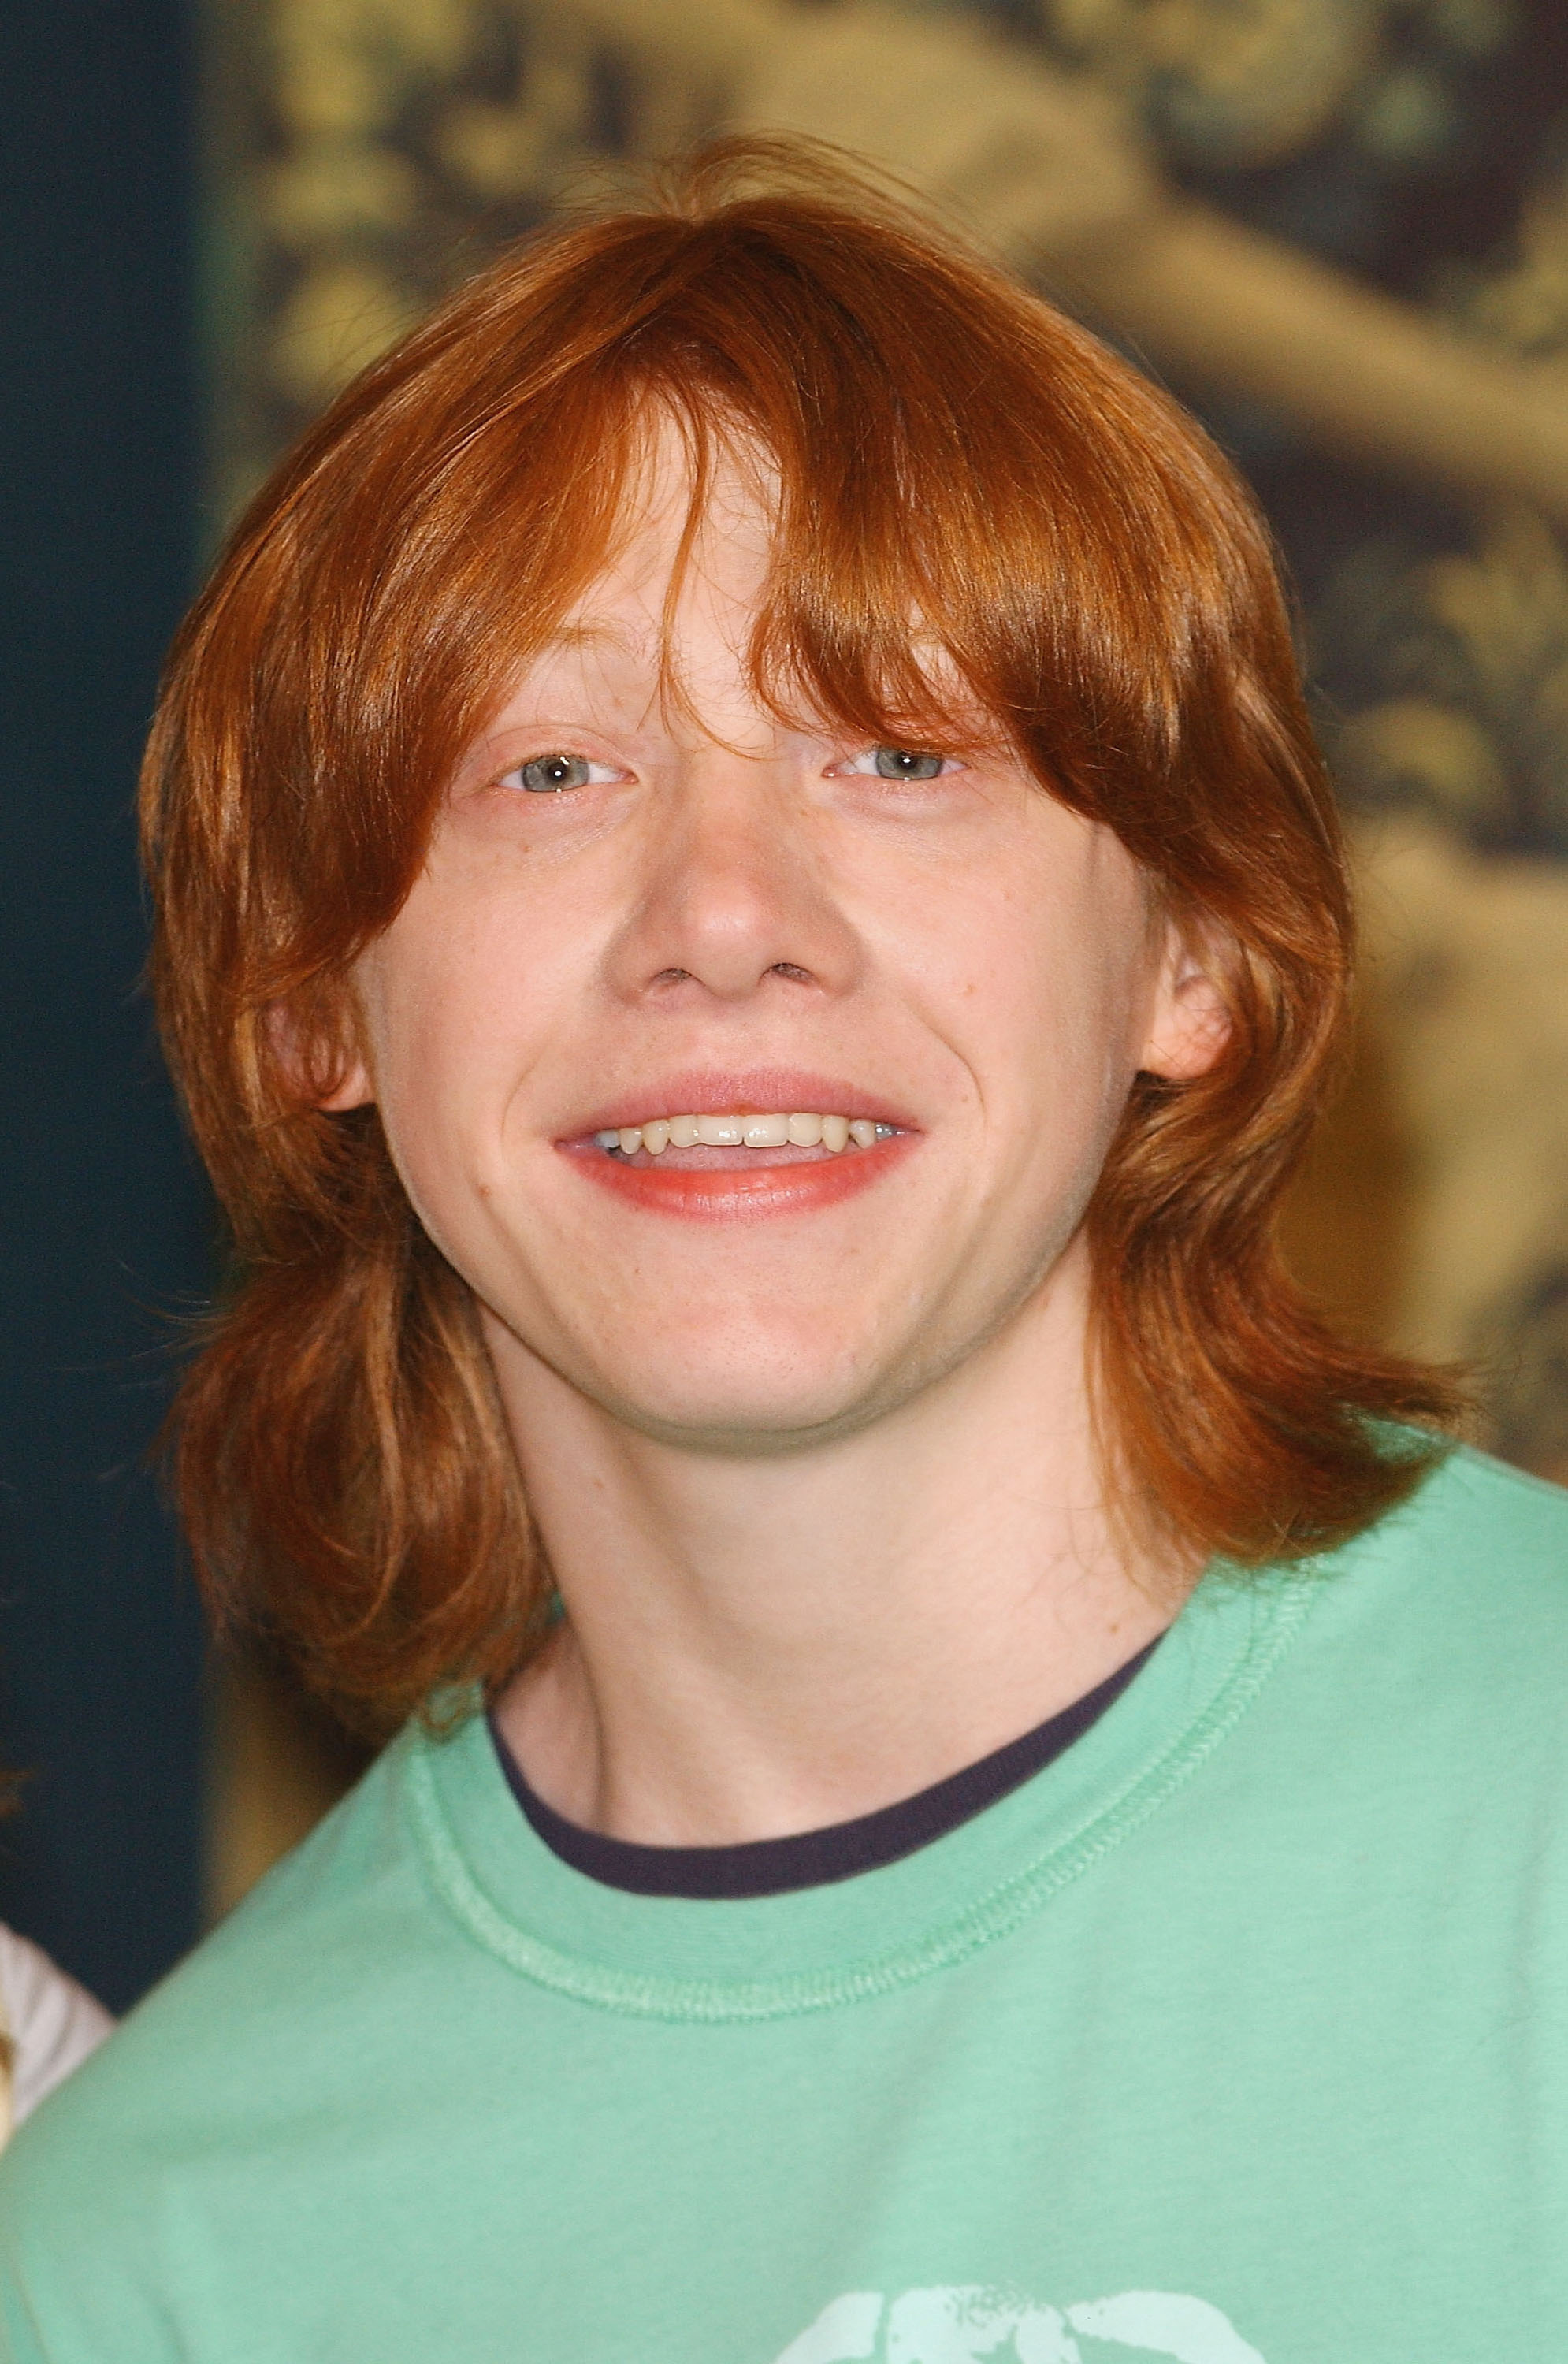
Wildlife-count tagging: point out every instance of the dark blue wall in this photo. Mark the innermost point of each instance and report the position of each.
(102, 1225)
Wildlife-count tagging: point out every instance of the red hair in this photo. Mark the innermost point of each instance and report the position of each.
(947, 447)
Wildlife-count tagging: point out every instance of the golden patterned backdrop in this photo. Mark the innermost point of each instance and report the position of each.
(1340, 229)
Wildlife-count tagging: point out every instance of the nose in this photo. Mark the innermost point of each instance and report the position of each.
(735, 893)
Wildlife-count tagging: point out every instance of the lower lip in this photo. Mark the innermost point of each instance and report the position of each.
(728, 1194)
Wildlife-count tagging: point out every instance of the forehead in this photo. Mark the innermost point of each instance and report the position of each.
(694, 533)
(673, 606)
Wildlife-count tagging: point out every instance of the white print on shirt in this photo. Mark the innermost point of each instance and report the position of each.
(961, 2325)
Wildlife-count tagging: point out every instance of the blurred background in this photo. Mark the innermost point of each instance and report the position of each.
(1337, 227)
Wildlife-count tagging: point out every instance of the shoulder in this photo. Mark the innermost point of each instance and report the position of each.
(258, 2021)
(1476, 1541)
(1470, 1499)
(1441, 1632)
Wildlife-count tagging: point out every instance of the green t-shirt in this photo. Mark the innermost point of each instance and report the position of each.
(1240, 2032)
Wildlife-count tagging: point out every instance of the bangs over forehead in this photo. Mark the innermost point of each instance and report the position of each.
(696, 477)
(958, 470)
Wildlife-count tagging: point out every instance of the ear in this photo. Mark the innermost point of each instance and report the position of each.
(354, 1089)
(1189, 1020)
(320, 1058)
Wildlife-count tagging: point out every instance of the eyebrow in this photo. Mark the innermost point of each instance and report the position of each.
(590, 631)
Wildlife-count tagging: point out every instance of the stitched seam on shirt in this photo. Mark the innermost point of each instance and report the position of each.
(651, 1995)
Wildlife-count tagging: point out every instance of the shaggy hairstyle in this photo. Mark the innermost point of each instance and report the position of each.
(948, 448)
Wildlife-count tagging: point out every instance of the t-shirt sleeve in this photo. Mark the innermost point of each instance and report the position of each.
(53, 2024)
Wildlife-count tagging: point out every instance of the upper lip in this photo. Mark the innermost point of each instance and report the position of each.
(750, 1091)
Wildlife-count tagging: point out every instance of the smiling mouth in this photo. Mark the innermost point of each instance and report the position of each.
(696, 1143)
(740, 1164)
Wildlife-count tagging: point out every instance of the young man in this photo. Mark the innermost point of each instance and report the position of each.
(751, 930)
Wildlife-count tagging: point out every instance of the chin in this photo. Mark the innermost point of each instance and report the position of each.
(775, 1404)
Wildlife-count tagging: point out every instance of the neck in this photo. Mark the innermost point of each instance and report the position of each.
(756, 1645)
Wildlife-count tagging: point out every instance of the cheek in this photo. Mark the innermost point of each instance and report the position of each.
(413, 1068)
(453, 1027)
(1040, 990)
(469, 971)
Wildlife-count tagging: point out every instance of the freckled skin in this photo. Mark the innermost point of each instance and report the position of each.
(724, 894)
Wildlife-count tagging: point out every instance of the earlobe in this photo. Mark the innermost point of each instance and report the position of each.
(354, 1090)
(319, 1067)
(1190, 1025)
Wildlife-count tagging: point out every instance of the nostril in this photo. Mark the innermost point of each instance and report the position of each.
(792, 969)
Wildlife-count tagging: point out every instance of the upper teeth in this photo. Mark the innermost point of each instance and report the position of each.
(744, 1132)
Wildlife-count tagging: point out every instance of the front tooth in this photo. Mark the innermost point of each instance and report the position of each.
(721, 1131)
(766, 1132)
(835, 1132)
(862, 1132)
(683, 1133)
(630, 1139)
(656, 1137)
(806, 1131)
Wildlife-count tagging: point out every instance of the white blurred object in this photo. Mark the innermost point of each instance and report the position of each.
(47, 2025)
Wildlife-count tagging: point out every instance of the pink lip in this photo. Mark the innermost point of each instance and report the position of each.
(740, 1092)
(741, 1191)
(729, 1194)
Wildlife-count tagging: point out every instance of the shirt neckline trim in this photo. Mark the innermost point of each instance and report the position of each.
(832, 1852)
(659, 1996)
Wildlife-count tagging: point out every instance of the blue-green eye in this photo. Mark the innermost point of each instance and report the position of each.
(546, 775)
(900, 764)
(907, 763)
